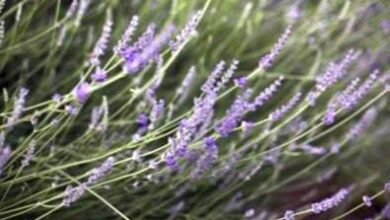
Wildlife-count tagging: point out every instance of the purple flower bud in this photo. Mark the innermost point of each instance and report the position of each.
(81, 92)
(72, 110)
(143, 120)
(330, 114)
(249, 213)
(241, 81)
(367, 201)
(57, 97)
(99, 75)
(289, 215)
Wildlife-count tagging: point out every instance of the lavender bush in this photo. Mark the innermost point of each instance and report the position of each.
(257, 109)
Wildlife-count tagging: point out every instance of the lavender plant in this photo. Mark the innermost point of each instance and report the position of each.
(208, 109)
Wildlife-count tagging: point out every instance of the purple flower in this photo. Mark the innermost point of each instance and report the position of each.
(333, 73)
(18, 107)
(362, 124)
(207, 159)
(170, 160)
(209, 85)
(72, 110)
(29, 154)
(102, 43)
(234, 114)
(99, 75)
(386, 26)
(185, 85)
(241, 81)
(266, 94)
(246, 126)
(72, 194)
(289, 215)
(126, 36)
(387, 187)
(5, 155)
(350, 100)
(284, 109)
(267, 60)
(188, 31)
(330, 202)
(101, 171)
(313, 150)
(57, 97)
(157, 110)
(249, 213)
(143, 120)
(330, 114)
(81, 92)
(367, 201)
(386, 211)
(136, 59)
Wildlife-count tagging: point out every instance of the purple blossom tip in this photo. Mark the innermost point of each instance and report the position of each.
(81, 92)
(289, 215)
(330, 202)
(241, 81)
(367, 201)
(99, 75)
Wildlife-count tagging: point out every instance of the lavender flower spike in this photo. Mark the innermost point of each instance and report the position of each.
(102, 43)
(284, 109)
(82, 91)
(186, 81)
(5, 155)
(29, 154)
(18, 108)
(126, 37)
(266, 94)
(330, 202)
(267, 60)
(362, 124)
(103, 170)
(72, 194)
(188, 31)
(207, 159)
